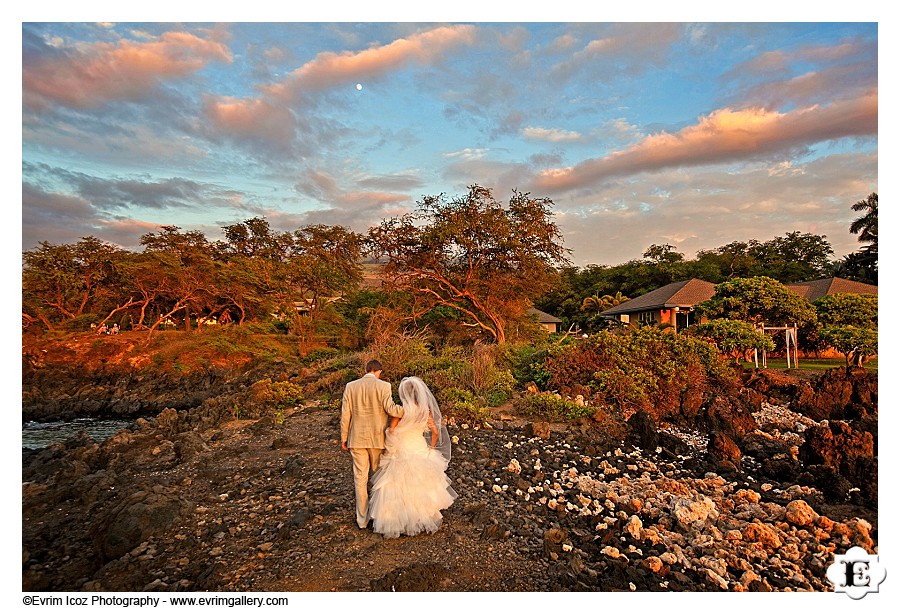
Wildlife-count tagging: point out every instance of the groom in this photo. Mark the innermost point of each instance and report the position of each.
(365, 407)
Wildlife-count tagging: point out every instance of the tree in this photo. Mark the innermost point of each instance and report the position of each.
(67, 281)
(730, 261)
(471, 254)
(850, 324)
(186, 274)
(733, 338)
(253, 238)
(847, 309)
(794, 257)
(866, 226)
(854, 342)
(325, 261)
(857, 266)
(759, 300)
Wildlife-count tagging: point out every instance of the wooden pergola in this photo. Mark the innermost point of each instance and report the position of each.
(790, 341)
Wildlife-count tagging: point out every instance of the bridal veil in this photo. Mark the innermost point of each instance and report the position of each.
(419, 405)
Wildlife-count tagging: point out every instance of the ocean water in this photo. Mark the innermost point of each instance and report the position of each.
(41, 434)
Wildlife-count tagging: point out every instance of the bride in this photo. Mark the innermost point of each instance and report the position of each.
(411, 486)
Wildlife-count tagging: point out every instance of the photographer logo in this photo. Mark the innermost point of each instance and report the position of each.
(856, 573)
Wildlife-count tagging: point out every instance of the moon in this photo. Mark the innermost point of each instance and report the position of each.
(359, 87)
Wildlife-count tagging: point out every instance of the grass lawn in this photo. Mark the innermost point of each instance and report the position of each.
(812, 364)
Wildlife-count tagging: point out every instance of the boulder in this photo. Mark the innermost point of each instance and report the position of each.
(643, 430)
(141, 515)
(722, 448)
(774, 385)
(726, 415)
(837, 445)
(800, 513)
(538, 429)
(693, 513)
(838, 394)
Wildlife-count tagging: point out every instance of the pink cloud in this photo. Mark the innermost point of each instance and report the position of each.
(329, 68)
(268, 116)
(89, 77)
(251, 118)
(722, 136)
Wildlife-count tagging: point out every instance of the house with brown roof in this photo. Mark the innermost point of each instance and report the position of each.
(816, 289)
(549, 322)
(672, 304)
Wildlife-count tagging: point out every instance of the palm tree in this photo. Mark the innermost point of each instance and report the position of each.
(866, 226)
(618, 299)
(600, 303)
(592, 303)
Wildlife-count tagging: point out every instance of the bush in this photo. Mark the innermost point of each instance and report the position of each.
(278, 395)
(319, 354)
(854, 342)
(461, 405)
(526, 364)
(732, 337)
(651, 369)
(80, 323)
(552, 407)
(331, 383)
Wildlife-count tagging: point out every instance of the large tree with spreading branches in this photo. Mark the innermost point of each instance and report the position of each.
(472, 254)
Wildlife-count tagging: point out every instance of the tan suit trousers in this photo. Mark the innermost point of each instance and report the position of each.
(365, 462)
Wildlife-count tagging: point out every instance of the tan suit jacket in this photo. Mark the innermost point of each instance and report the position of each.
(365, 407)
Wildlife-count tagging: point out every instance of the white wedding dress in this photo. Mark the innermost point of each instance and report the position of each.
(411, 486)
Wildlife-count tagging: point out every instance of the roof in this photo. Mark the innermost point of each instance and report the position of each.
(816, 289)
(544, 317)
(677, 294)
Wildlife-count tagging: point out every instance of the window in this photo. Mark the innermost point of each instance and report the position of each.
(647, 317)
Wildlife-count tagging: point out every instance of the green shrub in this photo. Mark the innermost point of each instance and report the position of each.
(526, 363)
(80, 323)
(320, 355)
(649, 368)
(497, 397)
(331, 383)
(278, 395)
(551, 406)
(732, 337)
(461, 405)
(854, 342)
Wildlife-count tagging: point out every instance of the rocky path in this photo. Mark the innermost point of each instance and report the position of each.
(266, 506)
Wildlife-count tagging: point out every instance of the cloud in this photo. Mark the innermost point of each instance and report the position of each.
(105, 194)
(355, 209)
(563, 43)
(554, 135)
(329, 69)
(706, 208)
(253, 119)
(268, 117)
(624, 49)
(113, 194)
(723, 136)
(94, 209)
(89, 76)
(468, 154)
(804, 76)
(55, 217)
(403, 180)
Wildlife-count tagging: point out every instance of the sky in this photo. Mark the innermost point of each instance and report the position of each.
(692, 134)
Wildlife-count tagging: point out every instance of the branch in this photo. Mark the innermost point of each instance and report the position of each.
(568, 332)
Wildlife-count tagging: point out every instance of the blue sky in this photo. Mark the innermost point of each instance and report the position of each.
(692, 134)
